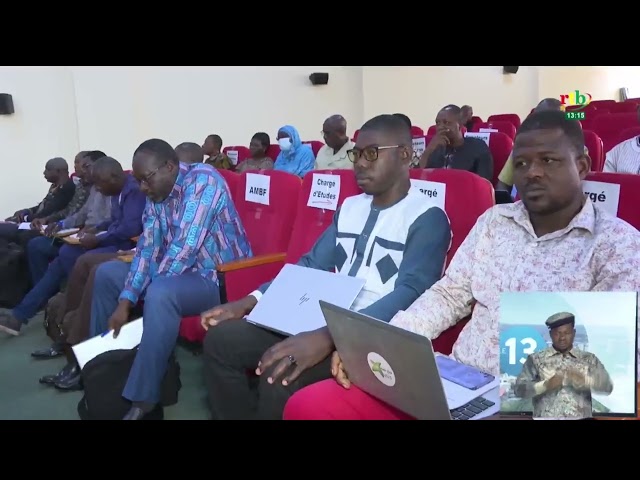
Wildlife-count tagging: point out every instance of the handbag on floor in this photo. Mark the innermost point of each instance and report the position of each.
(104, 379)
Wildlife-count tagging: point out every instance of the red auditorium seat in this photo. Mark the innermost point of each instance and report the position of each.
(623, 107)
(417, 132)
(273, 151)
(467, 197)
(237, 154)
(501, 146)
(315, 146)
(507, 117)
(628, 133)
(594, 144)
(503, 127)
(308, 224)
(231, 178)
(629, 194)
(269, 229)
(608, 127)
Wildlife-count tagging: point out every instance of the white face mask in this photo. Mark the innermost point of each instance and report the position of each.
(285, 144)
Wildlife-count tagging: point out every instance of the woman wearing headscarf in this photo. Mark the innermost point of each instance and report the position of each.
(294, 157)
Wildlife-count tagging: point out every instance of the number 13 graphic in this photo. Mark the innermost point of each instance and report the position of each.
(529, 345)
(516, 344)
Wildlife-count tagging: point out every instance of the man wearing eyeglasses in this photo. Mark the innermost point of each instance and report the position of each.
(390, 235)
(190, 226)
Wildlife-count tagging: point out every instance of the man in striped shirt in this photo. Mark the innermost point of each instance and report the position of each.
(190, 226)
(624, 157)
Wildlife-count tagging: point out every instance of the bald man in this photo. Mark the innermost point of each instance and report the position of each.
(333, 155)
(466, 116)
(505, 179)
(561, 378)
(189, 152)
(56, 172)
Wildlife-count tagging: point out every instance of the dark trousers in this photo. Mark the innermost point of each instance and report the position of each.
(40, 252)
(232, 351)
(166, 301)
(57, 272)
(76, 316)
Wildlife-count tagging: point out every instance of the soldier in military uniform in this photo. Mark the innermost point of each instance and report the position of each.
(560, 379)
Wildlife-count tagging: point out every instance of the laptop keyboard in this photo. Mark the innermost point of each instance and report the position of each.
(471, 409)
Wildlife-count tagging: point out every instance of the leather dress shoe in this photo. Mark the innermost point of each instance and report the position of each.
(50, 352)
(134, 413)
(71, 382)
(52, 379)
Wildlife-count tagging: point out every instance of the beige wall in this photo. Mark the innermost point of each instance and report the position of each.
(60, 110)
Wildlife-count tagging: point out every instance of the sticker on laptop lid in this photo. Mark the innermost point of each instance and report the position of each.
(381, 369)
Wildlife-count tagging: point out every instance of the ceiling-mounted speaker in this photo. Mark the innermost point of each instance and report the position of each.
(319, 78)
(506, 70)
(6, 104)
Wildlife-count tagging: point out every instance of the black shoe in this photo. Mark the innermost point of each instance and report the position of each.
(52, 379)
(71, 382)
(10, 324)
(46, 353)
(134, 413)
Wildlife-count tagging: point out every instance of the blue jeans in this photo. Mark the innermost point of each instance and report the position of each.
(166, 301)
(50, 283)
(40, 252)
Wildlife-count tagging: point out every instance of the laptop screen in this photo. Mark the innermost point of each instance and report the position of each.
(568, 355)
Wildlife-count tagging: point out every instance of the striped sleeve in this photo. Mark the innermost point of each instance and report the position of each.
(198, 213)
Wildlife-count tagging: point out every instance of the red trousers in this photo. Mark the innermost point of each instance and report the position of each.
(327, 400)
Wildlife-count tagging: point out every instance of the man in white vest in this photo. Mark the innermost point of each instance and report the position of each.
(390, 235)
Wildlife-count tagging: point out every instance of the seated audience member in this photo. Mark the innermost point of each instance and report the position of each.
(259, 160)
(56, 172)
(333, 155)
(189, 152)
(95, 209)
(449, 148)
(389, 211)
(624, 157)
(190, 226)
(466, 117)
(70, 317)
(212, 147)
(505, 179)
(294, 157)
(127, 204)
(554, 240)
(81, 164)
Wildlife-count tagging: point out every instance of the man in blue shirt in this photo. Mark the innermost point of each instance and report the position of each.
(190, 227)
(391, 235)
(127, 204)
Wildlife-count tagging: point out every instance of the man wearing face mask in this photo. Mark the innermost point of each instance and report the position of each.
(333, 155)
(294, 157)
(450, 149)
(412, 240)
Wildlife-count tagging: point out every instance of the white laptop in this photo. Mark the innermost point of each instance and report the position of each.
(291, 303)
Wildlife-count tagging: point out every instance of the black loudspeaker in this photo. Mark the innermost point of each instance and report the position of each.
(6, 104)
(506, 70)
(319, 78)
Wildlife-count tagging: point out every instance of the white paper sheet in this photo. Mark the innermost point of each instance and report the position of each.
(130, 337)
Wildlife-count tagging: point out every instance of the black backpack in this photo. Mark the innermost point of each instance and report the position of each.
(14, 274)
(104, 379)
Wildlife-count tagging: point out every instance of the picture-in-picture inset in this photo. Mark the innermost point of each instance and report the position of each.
(568, 355)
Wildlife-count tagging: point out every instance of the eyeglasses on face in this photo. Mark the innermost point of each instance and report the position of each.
(370, 154)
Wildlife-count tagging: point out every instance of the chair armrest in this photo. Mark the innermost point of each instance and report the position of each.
(251, 262)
